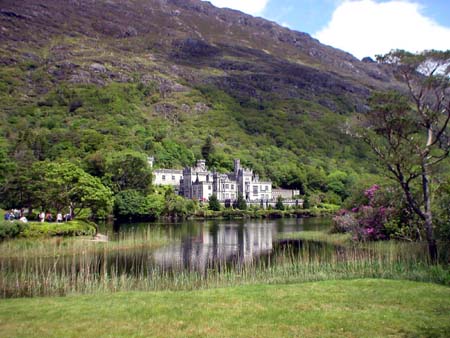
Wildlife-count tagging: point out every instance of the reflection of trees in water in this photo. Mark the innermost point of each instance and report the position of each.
(218, 244)
(199, 247)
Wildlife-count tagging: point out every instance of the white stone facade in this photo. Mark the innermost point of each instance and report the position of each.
(202, 191)
(167, 177)
(199, 183)
(194, 176)
(286, 194)
(225, 188)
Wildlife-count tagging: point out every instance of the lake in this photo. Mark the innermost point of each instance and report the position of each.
(190, 255)
(199, 245)
(150, 256)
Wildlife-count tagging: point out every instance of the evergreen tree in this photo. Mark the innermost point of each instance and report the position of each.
(241, 204)
(279, 205)
(207, 149)
(306, 203)
(214, 203)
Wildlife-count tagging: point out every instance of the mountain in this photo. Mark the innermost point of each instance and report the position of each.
(80, 78)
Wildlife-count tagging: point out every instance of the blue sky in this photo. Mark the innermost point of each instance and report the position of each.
(361, 27)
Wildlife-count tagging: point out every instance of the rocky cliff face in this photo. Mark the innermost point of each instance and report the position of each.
(180, 44)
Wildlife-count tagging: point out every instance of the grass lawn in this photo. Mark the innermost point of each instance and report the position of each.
(353, 308)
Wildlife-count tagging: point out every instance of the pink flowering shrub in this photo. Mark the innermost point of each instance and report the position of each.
(371, 221)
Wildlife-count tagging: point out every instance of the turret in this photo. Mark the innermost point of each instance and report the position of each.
(201, 164)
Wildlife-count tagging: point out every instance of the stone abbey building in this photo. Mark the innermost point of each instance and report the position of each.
(199, 183)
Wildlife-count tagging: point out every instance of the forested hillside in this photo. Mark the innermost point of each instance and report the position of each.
(97, 82)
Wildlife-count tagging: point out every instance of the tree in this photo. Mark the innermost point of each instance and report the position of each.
(177, 206)
(208, 150)
(306, 204)
(20, 190)
(128, 170)
(60, 185)
(133, 204)
(408, 131)
(338, 182)
(214, 203)
(155, 204)
(240, 203)
(130, 203)
(6, 165)
(279, 205)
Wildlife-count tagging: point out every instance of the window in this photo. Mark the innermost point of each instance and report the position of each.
(255, 190)
(267, 187)
(173, 177)
(209, 187)
(227, 186)
(163, 177)
(232, 187)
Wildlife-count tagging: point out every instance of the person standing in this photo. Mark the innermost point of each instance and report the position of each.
(59, 217)
(42, 217)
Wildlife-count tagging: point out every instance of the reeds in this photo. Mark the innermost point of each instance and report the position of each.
(127, 264)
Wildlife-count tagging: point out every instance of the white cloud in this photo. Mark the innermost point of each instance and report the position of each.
(252, 7)
(366, 27)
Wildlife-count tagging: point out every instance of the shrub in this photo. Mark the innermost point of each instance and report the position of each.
(371, 221)
(214, 203)
(240, 203)
(279, 205)
(344, 222)
(73, 228)
(10, 229)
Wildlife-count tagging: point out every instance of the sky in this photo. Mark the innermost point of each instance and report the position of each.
(360, 27)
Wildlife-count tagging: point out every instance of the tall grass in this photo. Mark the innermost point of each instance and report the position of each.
(48, 268)
(149, 238)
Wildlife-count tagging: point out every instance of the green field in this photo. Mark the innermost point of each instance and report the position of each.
(356, 308)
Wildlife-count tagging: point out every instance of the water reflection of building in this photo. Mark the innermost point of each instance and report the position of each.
(218, 244)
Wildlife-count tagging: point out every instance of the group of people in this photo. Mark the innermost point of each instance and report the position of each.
(49, 217)
(15, 214)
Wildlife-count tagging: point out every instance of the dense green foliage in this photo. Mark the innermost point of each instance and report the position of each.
(129, 203)
(72, 228)
(9, 230)
(279, 205)
(213, 203)
(109, 131)
(240, 203)
(57, 186)
(133, 204)
(325, 309)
